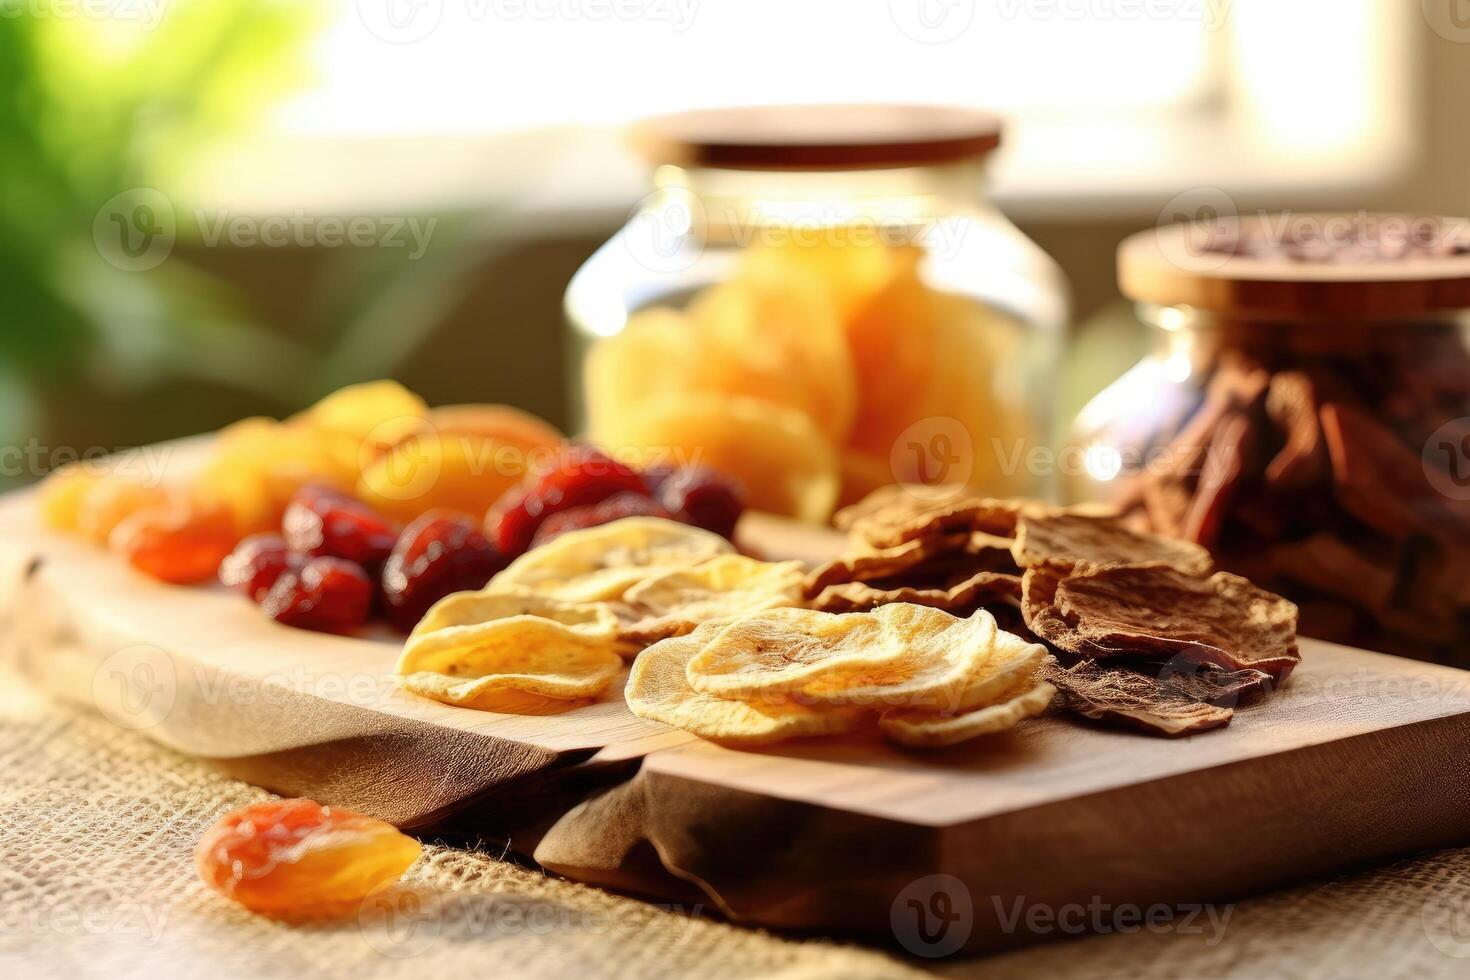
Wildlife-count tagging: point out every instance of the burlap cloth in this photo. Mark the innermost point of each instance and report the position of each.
(97, 828)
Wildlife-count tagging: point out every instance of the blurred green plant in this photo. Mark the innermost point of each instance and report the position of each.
(92, 106)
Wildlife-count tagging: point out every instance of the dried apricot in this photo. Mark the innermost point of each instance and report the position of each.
(374, 415)
(178, 544)
(114, 498)
(436, 471)
(60, 497)
(297, 859)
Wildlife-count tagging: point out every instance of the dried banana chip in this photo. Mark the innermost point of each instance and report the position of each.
(896, 654)
(928, 730)
(675, 602)
(1068, 540)
(600, 564)
(658, 689)
(476, 646)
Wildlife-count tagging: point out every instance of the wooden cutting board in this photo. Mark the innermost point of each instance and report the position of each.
(1361, 756)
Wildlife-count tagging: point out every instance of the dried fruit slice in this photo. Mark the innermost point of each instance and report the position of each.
(865, 565)
(1066, 540)
(924, 514)
(114, 498)
(784, 462)
(374, 415)
(441, 471)
(61, 495)
(731, 585)
(601, 563)
(297, 859)
(928, 730)
(978, 590)
(1157, 612)
(1127, 697)
(471, 648)
(659, 689)
(179, 544)
(896, 655)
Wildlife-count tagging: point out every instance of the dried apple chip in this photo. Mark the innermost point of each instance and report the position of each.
(659, 689)
(897, 654)
(594, 621)
(1067, 540)
(1127, 697)
(676, 602)
(569, 657)
(929, 730)
(600, 564)
(785, 463)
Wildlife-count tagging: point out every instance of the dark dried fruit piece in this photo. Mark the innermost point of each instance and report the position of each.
(612, 509)
(580, 476)
(919, 513)
(981, 590)
(1156, 612)
(1136, 700)
(329, 595)
(441, 553)
(326, 524)
(255, 564)
(704, 498)
(1065, 541)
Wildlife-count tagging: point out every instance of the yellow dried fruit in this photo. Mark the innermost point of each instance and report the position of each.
(658, 689)
(899, 654)
(599, 564)
(930, 730)
(731, 585)
(374, 415)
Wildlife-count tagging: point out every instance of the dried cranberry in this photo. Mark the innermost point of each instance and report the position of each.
(325, 523)
(611, 509)
(580, 477)
(439, 554)
(705, 499)
(255, 564)
(330, 595)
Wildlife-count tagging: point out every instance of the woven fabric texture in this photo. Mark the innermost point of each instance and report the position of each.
(98, 825)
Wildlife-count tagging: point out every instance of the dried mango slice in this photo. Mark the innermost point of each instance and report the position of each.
(599, 564)
(899, 651)
(1068, 541)
(927, 730)
(373, 415)
(568, 657)
(786, 465)
(658, 689)
(731, 585)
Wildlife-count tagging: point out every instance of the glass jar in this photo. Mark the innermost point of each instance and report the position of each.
(821, 301)
(1305, 414)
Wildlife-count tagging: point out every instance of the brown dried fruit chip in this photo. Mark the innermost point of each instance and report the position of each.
(914, 515)
(890, 499)
(974, 592)
(1156, 612)
(1136, 700)
(867, 565)
(1066, 541)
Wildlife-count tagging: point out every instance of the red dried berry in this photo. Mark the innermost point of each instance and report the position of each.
(255, 564)
(329, 595)
(705, 498)
(579, 477)
(611, 509)
(325, 523)
(439, 554)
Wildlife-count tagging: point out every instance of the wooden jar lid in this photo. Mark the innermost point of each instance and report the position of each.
(1370, 265)
(833, 137)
